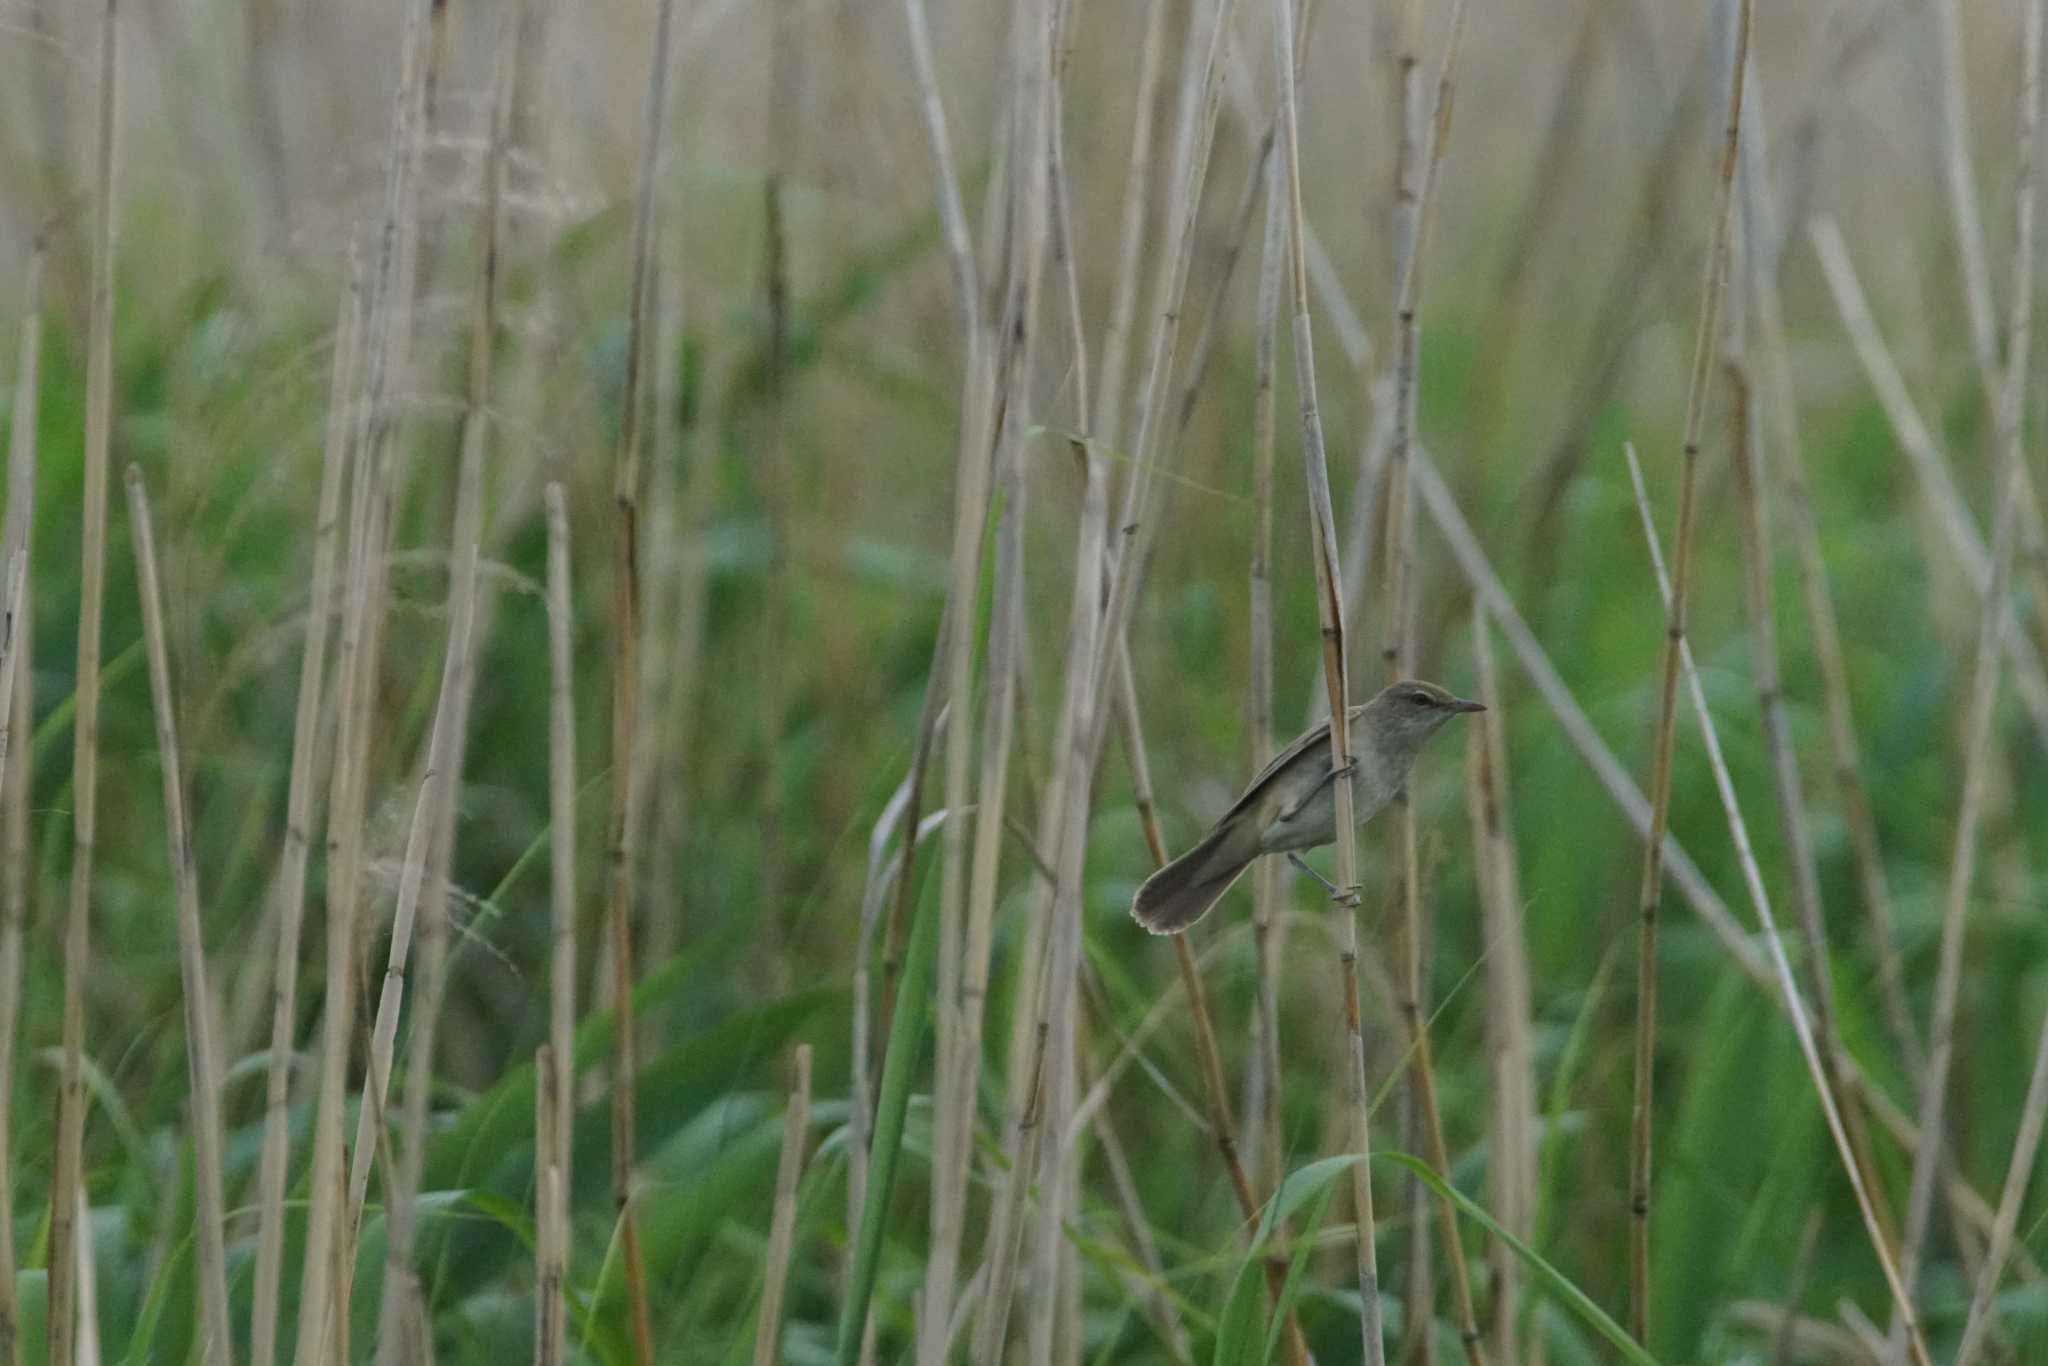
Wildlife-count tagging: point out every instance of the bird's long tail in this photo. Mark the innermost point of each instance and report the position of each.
(1182, 892)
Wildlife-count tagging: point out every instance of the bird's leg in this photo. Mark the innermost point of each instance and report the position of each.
(1289, 813)
(1337, 894)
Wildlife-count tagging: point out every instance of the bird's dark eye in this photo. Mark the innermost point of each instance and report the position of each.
(1421, 699)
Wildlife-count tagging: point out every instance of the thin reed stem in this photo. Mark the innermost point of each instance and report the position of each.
(561, 1048)
(67, 1189)
(789, 1171)
(1795, 1005)
(1330, 608)
(17, 712)
(623, 823)
(1650, 890)
(551, 1221)
(322, 600)
(202, 1061)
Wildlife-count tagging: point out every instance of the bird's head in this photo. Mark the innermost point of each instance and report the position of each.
(1406, 714)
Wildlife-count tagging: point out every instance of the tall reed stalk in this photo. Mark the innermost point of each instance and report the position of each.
(626, 601)
(324, 1285)
(67, 1193)
(201, 1057)
(1330, 605)
(562, 914)
(17, 712)
(291, 880)
(1650, 891)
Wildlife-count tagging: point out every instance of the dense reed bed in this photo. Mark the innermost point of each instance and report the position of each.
(677, 571)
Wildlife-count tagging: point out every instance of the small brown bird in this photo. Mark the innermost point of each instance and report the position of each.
(1292, 804)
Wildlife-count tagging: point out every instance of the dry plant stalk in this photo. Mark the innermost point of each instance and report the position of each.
(1650, 891)
(952, 681)
(551, 1222)
(321, 603)
(324, 1287)
(1781, 964)
(622, 823)
(201, 1060)
(67, 1196)
(1418, 168)
(560, 1080)
(403, 1308)
(782, 1230)
(16, 715)
(1329, 580)
(1510, 1046)
(1985, 668)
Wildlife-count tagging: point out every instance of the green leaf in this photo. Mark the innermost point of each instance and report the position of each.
(1573, 1297)
(899, 1069)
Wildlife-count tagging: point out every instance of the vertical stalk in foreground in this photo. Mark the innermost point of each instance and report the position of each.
(16, 713)
(795, 1126)
(554, 1309)
(1330, 604)
(1421, 167)
(1985, 669)
(1510, 1047)
(550, 1223)
(1650, 891)
(203, 1064)
(67, 1196)
(626, 691)
(404, 1313)
(291, 879)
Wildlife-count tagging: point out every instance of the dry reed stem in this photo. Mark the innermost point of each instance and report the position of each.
(955, 684)
(1985, 666)
(1650, 890)
(782, 1228)
(1781, 964)
(1419, 166)
(626, 602)
(551, 1222)
(2026, 1148)
(1330, 607)
(17, 713)
(561, 1047)
(323, 1304)
(403, 1307)
(1930, 469)
(202, 1061)
(1825, 632)
(1116, 344)
(67, 1198)
(1747, 456)
(1510, 1045)
(276, 1157)
(1262, 1107)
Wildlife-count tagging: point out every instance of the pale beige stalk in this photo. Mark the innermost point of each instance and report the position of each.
(789, 1171)
(67, 1197)
(550, 1223)
(1330, 605)
(291, 879)
(201, 1059)
(560, 1077)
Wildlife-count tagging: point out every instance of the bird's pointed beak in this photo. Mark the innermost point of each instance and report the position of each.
(1459, 704)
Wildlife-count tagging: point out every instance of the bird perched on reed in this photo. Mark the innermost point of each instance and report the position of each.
(1292, 805)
